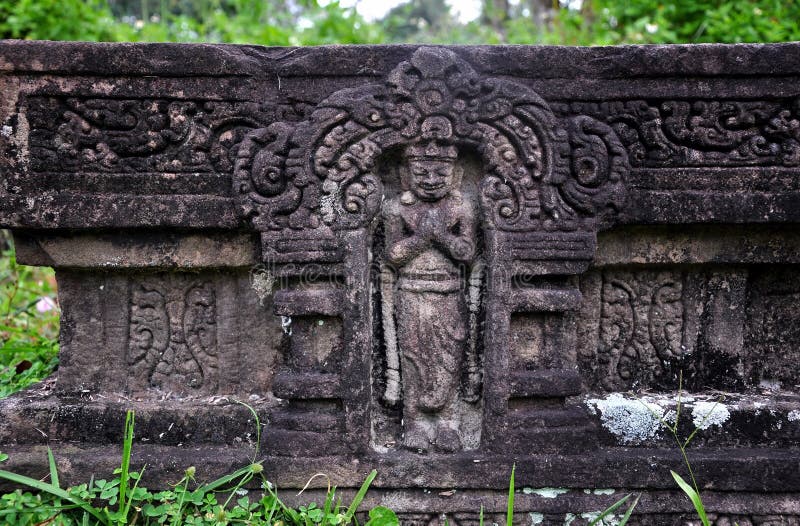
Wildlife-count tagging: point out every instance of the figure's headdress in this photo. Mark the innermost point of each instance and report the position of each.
(436, 143)
(431, 150)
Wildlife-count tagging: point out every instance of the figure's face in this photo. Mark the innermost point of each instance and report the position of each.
(431, 180)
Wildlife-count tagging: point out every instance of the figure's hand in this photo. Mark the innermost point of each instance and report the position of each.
(431, 226)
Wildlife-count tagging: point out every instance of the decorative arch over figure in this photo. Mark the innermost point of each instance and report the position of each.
(316, 190)
(541, 173)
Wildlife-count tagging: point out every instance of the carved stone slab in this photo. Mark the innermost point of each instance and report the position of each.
(438, 262)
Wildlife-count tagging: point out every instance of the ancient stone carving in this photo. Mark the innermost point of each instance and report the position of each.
(701, 132)
(431, 232)
(386, 160)
(641, 327)
(172, 336)
(137, 135)
(541, 173)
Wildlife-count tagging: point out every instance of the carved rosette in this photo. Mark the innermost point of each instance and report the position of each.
(540, 172)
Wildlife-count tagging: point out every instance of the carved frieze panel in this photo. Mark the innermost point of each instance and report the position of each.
(172, 344)
(79, 134)
(700, 132)
(725, 328)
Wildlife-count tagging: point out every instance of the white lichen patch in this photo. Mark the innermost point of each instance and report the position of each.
(770, 385)
(262, 282)
(707, 414)
(608, 520)
(604, 491)
(6, 131)
(536, 518)
(286, 325)
(794, 416)
(547, 493)
(631, 420)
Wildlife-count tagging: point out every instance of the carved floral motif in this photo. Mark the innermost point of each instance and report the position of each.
(173, 335)
(640, 329)
(137, 135)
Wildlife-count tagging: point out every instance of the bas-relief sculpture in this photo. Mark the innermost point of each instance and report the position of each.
(173, 336)
(433, 289)
(431, 245)
(482, 163)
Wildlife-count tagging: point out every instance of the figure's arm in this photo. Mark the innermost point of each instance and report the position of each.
(400, 249)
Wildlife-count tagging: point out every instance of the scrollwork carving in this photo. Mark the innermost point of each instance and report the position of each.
(540, 172)
(641, 328)
(706, 132)
(137, 135)
(173, 336)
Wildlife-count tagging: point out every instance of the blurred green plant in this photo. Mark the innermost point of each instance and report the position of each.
(28, 324)
(268, 22)
(309, 22)
(59, 20)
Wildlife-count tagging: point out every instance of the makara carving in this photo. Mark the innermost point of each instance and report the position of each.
(173, 336)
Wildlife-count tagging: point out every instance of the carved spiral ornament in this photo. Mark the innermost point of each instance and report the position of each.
(539, 172)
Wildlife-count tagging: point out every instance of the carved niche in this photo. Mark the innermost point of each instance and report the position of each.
(172, 341)
(428, 192)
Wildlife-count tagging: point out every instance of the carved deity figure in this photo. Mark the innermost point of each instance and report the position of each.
(430, 249)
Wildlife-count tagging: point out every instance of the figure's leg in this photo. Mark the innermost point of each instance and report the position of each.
(417, 429)
(442, 336)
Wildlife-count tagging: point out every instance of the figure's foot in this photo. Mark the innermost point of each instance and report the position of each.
(416, 439)
(448, 439)
(433, 402)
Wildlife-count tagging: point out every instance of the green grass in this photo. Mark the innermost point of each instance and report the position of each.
(28, 332)
(122, 501)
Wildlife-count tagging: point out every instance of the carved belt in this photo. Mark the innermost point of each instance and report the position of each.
(414, 284)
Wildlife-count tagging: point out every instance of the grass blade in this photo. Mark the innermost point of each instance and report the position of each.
(611, 509)
(510, 507)
(53, 468)
(127, 444)
(627, 516)
(55, 491)
(133, 491)
(359, 496)
(326, 510)
(211, 486)
(480, 517)
(693, 496)
(258, 427)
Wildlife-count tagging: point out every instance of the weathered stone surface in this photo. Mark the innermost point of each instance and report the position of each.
(437, 262)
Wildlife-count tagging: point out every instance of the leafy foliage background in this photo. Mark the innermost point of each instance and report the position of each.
(309, 22)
